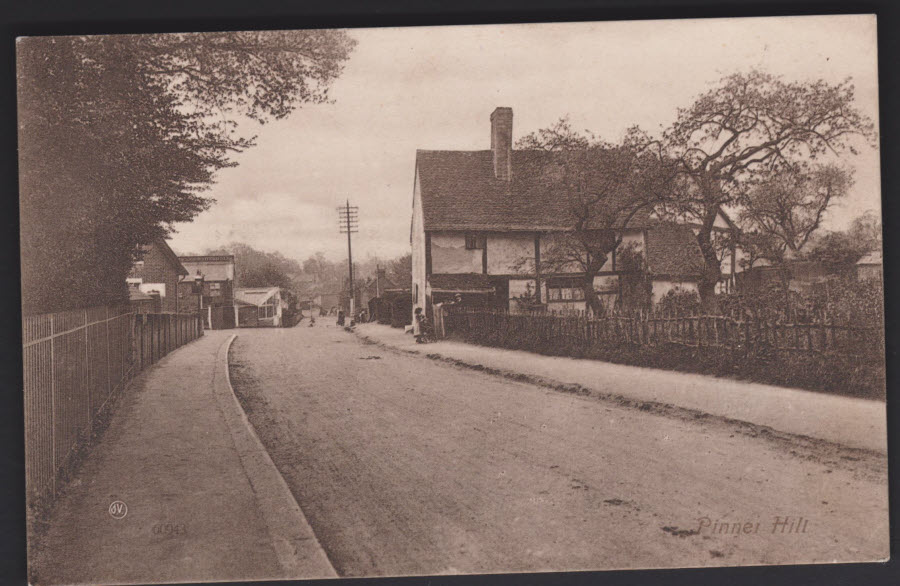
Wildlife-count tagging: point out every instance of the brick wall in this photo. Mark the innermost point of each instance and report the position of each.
(158, 268)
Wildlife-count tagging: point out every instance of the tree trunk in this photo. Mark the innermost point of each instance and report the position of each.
(709, 305)
(590, 296)
(712, 270)
(595, 263)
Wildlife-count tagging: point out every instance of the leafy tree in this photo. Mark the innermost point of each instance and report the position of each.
(678, 301)
(788, 205)
(635, 283)
(119, 136)
(866, 229)
(750, 124)
(400, 271)
(257, 268)
(785, 208)
(838, 251)
(602, 187)
(316, 264)
(757, 246)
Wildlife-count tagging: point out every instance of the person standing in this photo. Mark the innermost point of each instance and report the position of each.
(417, 324)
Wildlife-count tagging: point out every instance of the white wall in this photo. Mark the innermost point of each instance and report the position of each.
(629, 238)
(417, 238)
(720, 222)
(606, 282)
(449, 254)
(633, 237)
(506, 251)
(517, 288)
(548, 243)
(153, 287)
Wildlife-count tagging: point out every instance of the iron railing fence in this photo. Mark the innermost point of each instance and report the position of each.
(73, 363)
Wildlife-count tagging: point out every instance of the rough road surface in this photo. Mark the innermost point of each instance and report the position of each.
(404, 465)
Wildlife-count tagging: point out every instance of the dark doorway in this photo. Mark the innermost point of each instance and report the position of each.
(500, 298)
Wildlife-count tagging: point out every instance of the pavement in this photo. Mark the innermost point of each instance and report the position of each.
(406, 465)
(848, 421)
(204, 500)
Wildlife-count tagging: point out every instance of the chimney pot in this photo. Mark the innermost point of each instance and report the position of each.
(501, 142)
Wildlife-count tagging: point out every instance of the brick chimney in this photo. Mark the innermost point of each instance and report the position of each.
(501, 142)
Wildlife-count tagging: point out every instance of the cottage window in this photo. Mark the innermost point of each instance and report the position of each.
(474, 241)
(564, 289)
(215, 289)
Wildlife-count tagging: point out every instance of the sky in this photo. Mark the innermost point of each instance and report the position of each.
(404, 89)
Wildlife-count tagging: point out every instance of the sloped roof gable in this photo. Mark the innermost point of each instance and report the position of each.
(460, 192)
(672, 249)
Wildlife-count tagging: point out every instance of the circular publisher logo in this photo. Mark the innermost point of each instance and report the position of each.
(118, 509)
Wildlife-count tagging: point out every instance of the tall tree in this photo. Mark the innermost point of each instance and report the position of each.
(866, 229)
(787, 206)
(840, 250)
(401, 271)
(317, 265)
(784, 209)
(258, 268)
(749, 124)
(119, 136)
(602, 187)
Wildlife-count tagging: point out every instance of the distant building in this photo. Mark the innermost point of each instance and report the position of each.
(870, 267)
(209, 287)
(329, 300)
(802, 276)
(153, 279)
(386, 302)
(259, 306)
(374, 287)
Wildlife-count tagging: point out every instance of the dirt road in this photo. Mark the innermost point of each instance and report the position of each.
(407, 466)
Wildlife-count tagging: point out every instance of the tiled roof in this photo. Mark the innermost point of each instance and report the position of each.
(209, 258)
(672, 249)
(170, 254)
(381, 284)
(213, 268)
(460, 282)
(459, 192)
(255, 295)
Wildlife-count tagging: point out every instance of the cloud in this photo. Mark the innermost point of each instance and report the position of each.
(434, 88)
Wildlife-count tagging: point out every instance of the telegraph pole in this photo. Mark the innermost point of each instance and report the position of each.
(348, 221)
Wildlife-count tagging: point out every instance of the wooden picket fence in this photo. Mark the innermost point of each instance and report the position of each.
(578, 329)
(73, 363)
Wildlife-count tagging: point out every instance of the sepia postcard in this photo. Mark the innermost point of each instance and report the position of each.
(483, 299)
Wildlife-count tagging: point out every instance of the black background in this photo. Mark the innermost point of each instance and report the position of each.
(122, 16)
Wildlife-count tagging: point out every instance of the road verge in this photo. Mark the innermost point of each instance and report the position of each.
(849, 425)
(296, 545)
